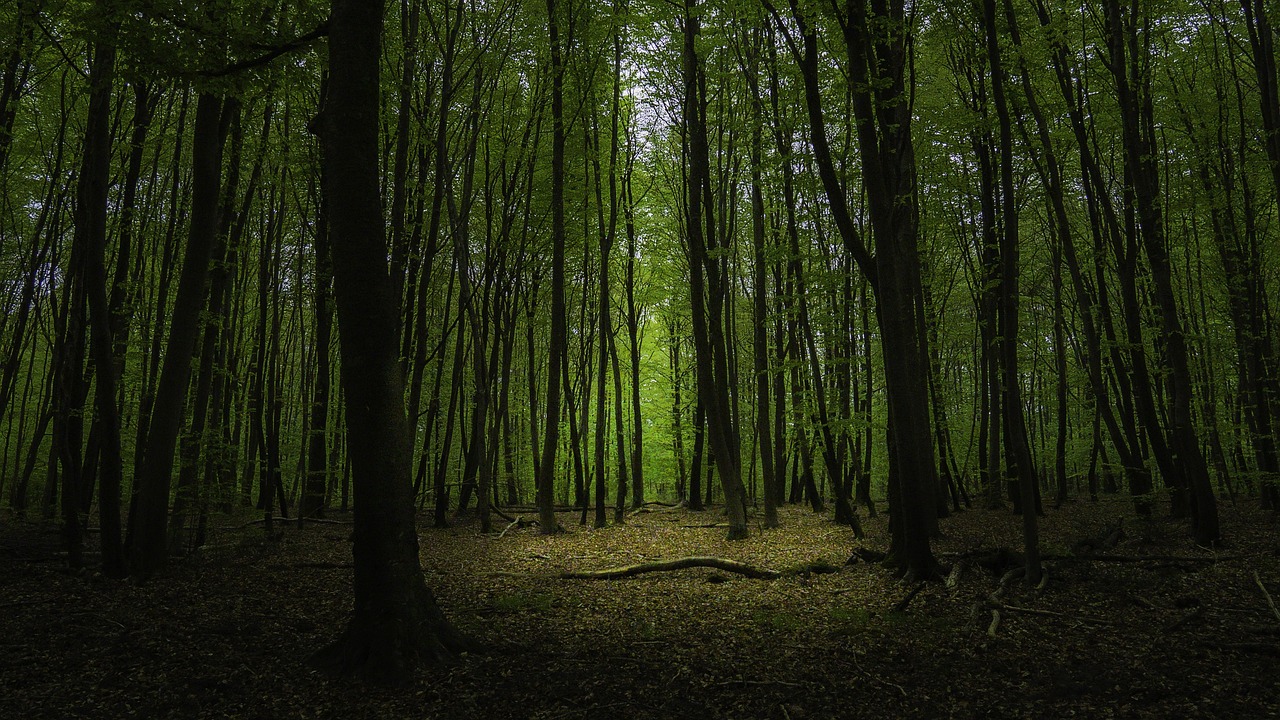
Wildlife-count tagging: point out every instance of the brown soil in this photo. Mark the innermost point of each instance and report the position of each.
(225, 633)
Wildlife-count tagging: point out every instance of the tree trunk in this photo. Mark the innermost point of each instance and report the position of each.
(708, 288)
(396, 625)
(559, 334)
(149, 522)
(91, 237)
(760, 299)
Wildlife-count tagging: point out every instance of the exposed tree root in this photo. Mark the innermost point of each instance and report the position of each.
(391, 653)
(901, 605)
(866, 555)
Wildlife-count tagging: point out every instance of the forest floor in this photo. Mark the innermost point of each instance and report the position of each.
(1157, 628)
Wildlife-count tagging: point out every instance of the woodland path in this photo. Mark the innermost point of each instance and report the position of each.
(225, 633)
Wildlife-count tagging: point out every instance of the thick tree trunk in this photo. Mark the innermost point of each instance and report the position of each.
(878, 45)
(396, 625)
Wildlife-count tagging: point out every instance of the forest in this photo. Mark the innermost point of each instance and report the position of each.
(416, 342)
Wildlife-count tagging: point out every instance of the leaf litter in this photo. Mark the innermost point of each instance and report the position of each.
(1154, 628)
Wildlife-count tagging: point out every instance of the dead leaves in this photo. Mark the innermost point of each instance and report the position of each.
(225, 632)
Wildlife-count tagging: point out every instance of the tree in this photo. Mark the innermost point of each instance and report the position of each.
(149, 518)
(558, 348)
(707, 286)
(396, 624)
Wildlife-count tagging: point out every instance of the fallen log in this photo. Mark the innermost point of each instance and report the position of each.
(683, 563)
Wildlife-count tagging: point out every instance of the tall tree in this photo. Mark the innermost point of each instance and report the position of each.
(557, 348)
(396, 624)
(149, 519)
(707, 285)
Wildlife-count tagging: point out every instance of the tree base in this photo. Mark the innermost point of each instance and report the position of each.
(383, 650)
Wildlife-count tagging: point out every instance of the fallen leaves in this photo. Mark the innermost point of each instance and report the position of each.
(225, 633)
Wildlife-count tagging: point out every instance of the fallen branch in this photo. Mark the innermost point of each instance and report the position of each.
(783, 683)
(707, 525)
(25, 603)
(1270, 602)
(314, 566)
(683, 563)
(995, 623)
(654, 506)
(288, 521)
(517, 523)
(507, 528)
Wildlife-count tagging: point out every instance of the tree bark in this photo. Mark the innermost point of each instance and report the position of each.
(149, 522)
(396, 625)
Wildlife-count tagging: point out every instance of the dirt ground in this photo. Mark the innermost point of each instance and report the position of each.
(1158, 628)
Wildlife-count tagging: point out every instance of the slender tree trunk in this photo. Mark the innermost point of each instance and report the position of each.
(318, 469)
(760, 299)
(559, 334)
(91, 237)
(708, 287)
(149, 523)
(1133, 90)
(1015, 422)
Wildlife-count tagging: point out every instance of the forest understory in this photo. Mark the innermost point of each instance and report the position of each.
(1152, 627)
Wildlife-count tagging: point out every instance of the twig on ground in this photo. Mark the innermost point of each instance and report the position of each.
(1052, 613)
(1270, 602)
